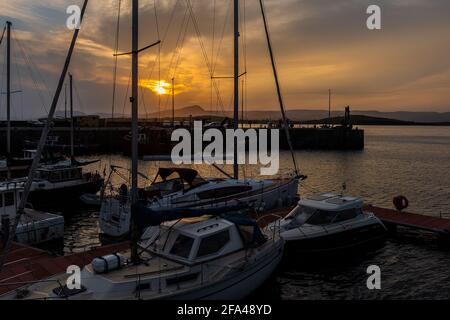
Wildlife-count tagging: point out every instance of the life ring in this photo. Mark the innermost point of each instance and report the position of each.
(400, 202)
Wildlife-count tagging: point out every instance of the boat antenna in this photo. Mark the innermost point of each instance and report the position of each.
(280, 97)
(44, 134)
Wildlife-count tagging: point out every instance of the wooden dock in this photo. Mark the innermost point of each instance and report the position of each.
(25, 264)
(412, 220)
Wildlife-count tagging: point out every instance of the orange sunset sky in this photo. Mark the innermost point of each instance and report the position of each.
(319, 44)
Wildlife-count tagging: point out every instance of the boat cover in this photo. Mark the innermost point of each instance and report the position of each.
(186, 174)
(145, 217)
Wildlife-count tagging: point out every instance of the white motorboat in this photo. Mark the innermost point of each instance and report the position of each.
(184, 188)
(34, 226)
(197, 258)
(330, 223)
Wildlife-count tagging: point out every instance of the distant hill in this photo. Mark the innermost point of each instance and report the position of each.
(362, 120)
(308, 115)
(302, 115)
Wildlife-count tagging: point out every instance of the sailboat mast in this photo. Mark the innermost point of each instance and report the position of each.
(134, 101)
(65, 101)
(236, 83)
(134, 126)
(72, 152)
(8, 87)
(45, 131)
(277, 83)
(173, 102)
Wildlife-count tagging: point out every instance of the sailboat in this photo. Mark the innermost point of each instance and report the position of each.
(173, 255)
(54, 184)
(183, 188)
(11, 166)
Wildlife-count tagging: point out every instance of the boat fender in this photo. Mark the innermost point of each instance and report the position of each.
(107, 263)
(400, 202)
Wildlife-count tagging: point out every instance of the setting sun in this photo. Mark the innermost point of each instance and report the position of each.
(160, 87)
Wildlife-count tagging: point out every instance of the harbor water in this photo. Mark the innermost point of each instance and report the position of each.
(413, 161)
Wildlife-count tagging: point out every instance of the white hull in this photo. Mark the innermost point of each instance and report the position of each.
(239, 285)
(38, 227)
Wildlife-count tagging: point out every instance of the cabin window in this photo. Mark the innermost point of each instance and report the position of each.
(55, 176)
(347, 215)
(9, 199)
(182, 246)
(213, 244)
(65, 175)
(41, 175)
(76, 174)
(321, 217)
(300, 215)
(223, 192)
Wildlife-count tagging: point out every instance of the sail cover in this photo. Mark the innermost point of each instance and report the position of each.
(186, 174)
(145, 217)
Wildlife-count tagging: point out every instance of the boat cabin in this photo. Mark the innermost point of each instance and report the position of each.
(29, 153)
(196, 240)
(59, 174)
(10, 195)
(325, 209)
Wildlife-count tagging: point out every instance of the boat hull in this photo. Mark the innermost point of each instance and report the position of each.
(239, 285)
(40, 230)
(54, 198)
(347, 242)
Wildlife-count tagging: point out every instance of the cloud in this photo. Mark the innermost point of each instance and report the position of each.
(318, 45)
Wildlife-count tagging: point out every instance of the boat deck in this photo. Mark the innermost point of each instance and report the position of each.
(31, 216)
(27, 264)
(411, 220)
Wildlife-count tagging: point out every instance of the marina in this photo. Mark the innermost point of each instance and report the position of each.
(107, 201)
(27, 265)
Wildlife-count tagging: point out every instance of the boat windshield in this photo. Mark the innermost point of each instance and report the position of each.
(314, 216)
(300, 215)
